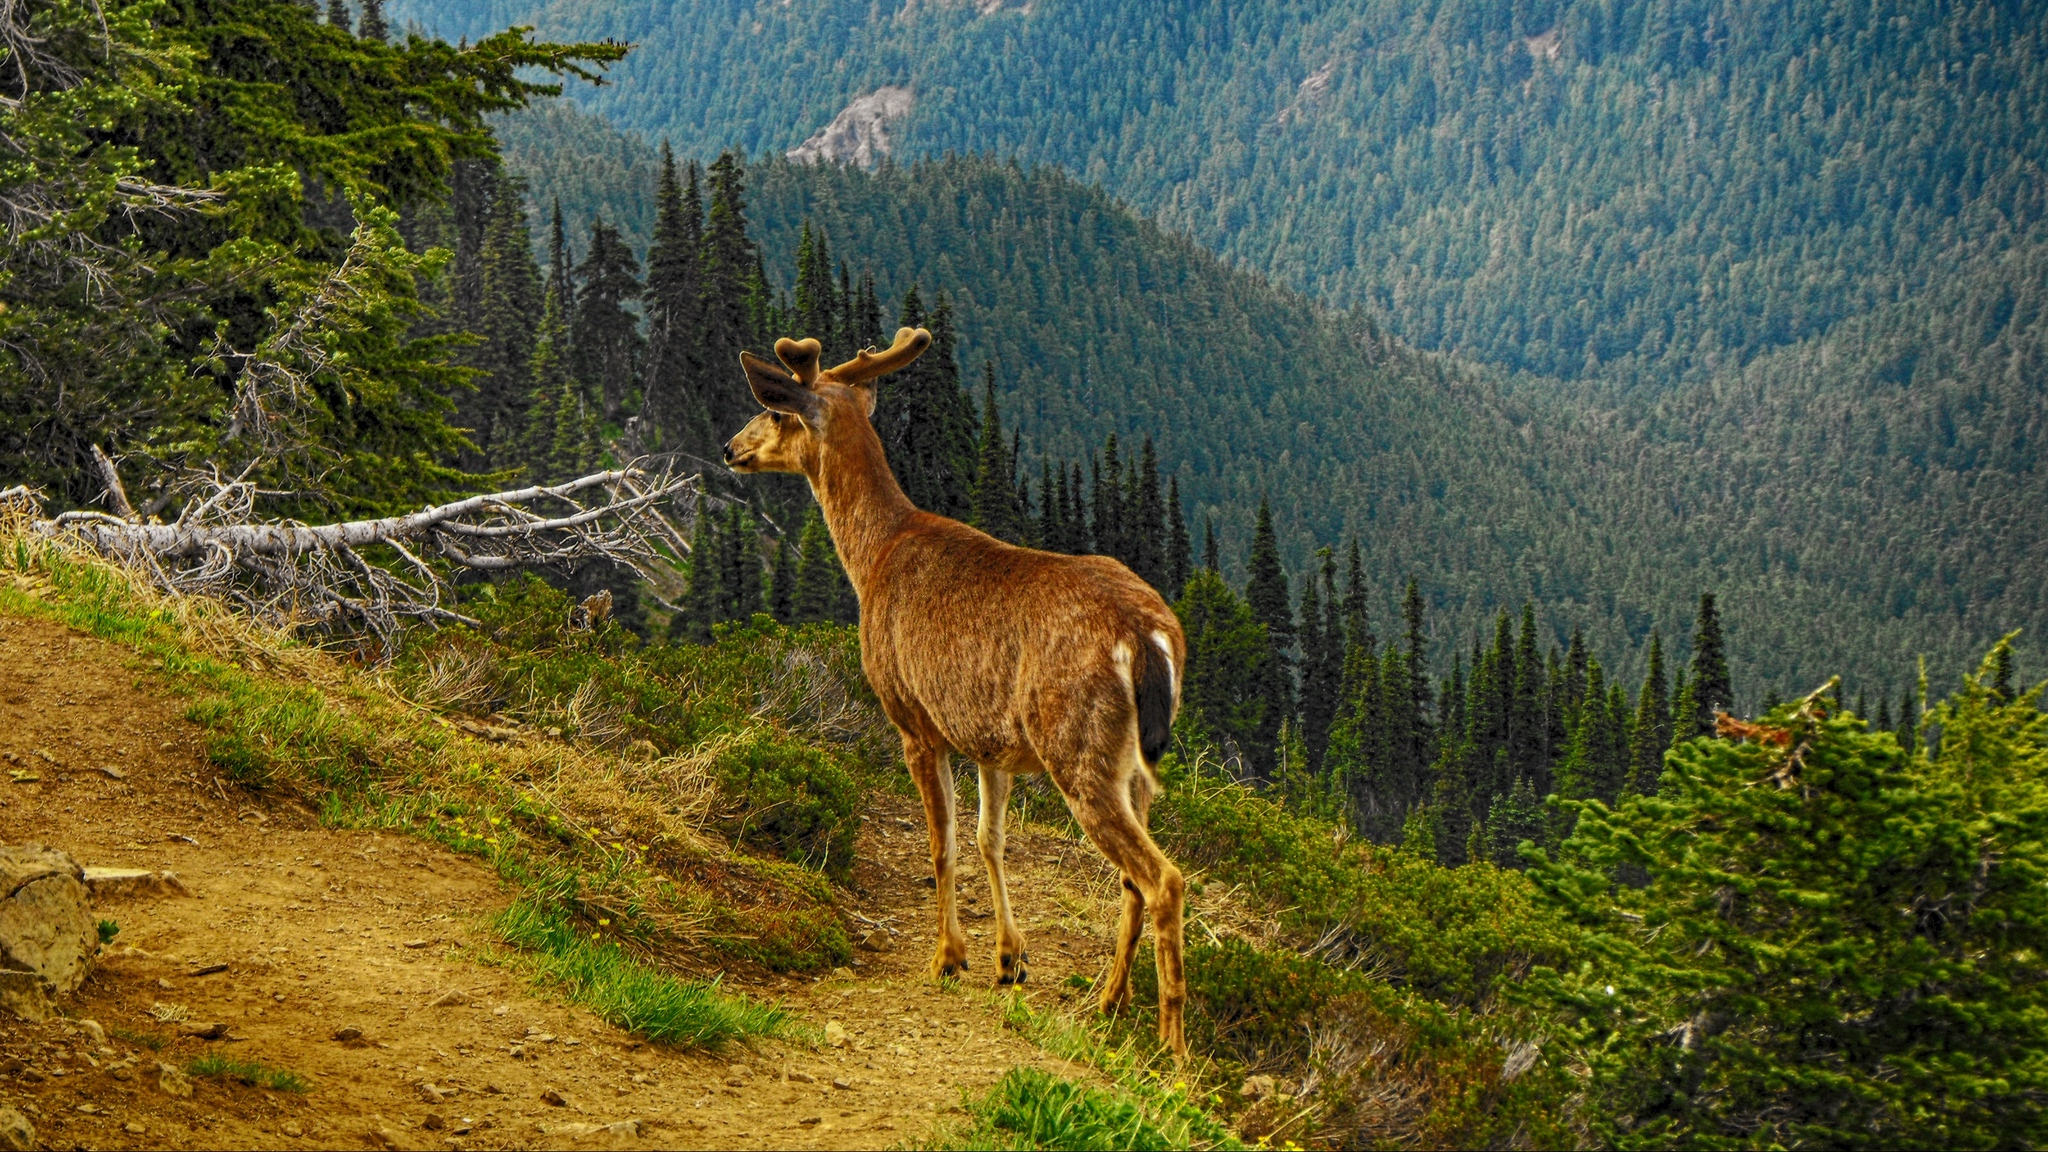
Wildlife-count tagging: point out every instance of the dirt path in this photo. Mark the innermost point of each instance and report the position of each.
(295, 934)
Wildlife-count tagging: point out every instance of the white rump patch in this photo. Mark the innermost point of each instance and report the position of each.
(1172, 673)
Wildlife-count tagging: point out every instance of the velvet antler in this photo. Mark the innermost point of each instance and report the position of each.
(910, 343)
(801, 356)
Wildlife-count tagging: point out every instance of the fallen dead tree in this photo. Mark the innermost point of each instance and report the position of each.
(375, 573)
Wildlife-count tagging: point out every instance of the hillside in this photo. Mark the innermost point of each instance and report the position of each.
(1897, 526)
(1658, 188)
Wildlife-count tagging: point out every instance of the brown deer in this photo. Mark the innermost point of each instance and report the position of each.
(1021, 660)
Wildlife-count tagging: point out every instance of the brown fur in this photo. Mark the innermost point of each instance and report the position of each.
(1021, 660)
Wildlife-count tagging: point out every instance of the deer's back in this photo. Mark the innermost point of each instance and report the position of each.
(994, 648)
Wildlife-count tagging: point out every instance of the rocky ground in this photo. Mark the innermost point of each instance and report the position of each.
(358, 962)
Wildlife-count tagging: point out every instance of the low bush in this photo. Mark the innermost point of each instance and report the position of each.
(1031, 1109)
(253, 1073)
(792, 799)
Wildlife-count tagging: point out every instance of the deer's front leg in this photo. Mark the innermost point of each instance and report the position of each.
(988, 836)
(931, 769)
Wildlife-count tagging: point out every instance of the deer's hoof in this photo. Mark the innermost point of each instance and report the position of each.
(1013, 970)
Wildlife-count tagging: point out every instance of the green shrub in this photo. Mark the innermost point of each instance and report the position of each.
(792, 799)
(1031, 1109)
(251, 1072)
(1840, 941)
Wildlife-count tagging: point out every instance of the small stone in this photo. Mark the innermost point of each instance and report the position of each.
(452, 998)
(417, 943)
(208, 969)
(739, 1070)
(134, 1129)
(210, 1030)
(93, 1030)
(501, 1010)
(173, 1080)
(291, 1128)
(555, 1098)
(347, 1034)
(835, 1034)
(842, 1083)
(843, 972)
(16, 1133)
(810, 1121)
(1256, 1087)
(433, 1122)
(802, 1077)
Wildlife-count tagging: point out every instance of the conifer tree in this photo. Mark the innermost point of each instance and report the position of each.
(818, 576)
(337, 14)
(373, 25)
(1528, 727)
(705, 597)
(817, 306)
(1180, 559)
(1107, 496)
(510, 298)
(1575, 659)
(1083, 543)
(605, 334)
(1273, 609)
(1650, 731)
(1516, 816)
(1322, 657)
(1051, 504)
(1412, 616)
(561, 266)
(1685, 706)
(729, 264)
(782, 583)
(1712, 689)
(1146, 514)
(994, 507)
(1210, 561)
(1227, 652)
(740, 558)
(552, 382)
(671, 371)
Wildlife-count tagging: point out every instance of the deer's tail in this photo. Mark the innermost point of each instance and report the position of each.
(1155, 683)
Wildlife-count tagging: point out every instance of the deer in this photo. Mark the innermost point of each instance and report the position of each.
(1020, 660)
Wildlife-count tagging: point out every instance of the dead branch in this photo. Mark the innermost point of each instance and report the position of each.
(285, 571)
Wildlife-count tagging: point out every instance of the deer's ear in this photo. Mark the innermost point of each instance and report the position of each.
(777, 390)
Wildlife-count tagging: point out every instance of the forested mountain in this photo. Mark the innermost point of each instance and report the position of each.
(1656, 187)
(1858, 499)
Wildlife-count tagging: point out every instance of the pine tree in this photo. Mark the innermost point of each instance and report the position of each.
(1223, 688)
(1712, 689)
(926, 421)
(605, 334)
(1146, 514)
(1528, 728)
(552, 382)
(1082, 544)
(337, 14)
(1322, 658)
(1271, 607)
(729, 263)
(1051, 505)
(671, 372)
(373, 25)
(1107, 496)
(705, 598)
(1210, 561)
(1650, 732)
(740, 559)
(993, 508)
(2002, 673)
(1412, 616)
(1180, 559)
(510, 298)
(561, 266)
(818, 576)
(782, 583)
(817, 306)
(1516, 816)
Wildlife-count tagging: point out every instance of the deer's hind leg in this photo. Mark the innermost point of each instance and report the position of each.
(931, 769)
(988, 836)
(1111, 812)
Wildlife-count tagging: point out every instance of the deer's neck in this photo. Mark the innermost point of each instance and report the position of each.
(863, 505)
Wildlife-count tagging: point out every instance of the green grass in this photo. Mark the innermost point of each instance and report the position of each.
(154, 1041)
(250, 1072)
(1029, 1108)
(108, 930)
(604, 977)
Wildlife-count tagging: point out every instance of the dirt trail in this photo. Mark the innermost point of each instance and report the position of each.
(295, 933)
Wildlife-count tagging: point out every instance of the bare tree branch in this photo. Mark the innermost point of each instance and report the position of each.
(316, 574)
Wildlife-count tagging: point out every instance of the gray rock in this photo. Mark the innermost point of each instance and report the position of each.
(16, 1133)
(173, 1080)
(26, 995)
(46, 921)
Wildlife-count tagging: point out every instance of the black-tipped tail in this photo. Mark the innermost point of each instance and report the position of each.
(1152, 673)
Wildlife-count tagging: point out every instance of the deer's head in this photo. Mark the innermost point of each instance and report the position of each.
(808, 407)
